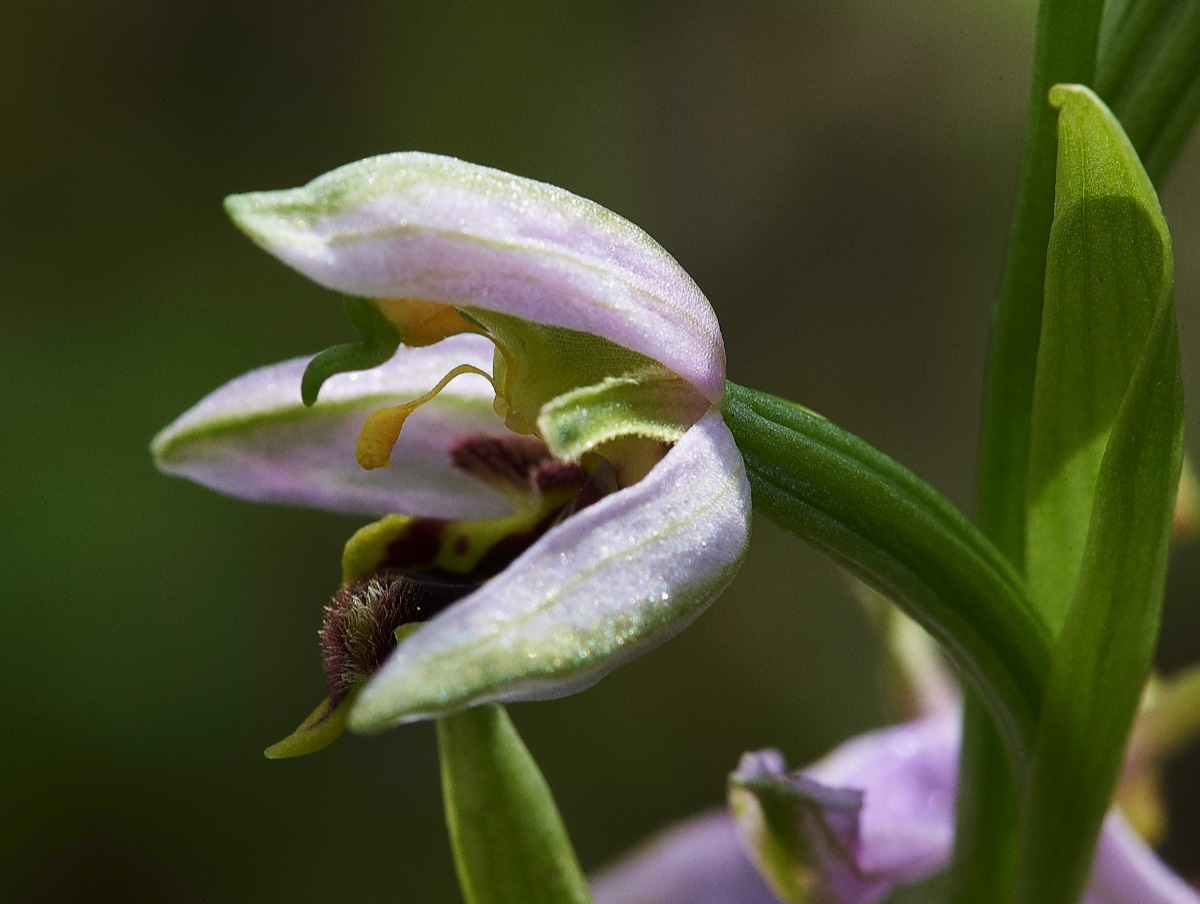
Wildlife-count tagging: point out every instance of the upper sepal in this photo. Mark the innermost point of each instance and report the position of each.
(420, 226)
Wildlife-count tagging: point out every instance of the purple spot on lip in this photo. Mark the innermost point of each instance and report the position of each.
(499, 460)
(417, 546)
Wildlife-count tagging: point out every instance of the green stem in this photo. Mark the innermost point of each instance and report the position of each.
(985, 856)
(1065, 51)
(1150, 91)
(1149, 75)
(1126, 26)
(509, 841)
(1065, 46)
(1160, 156)
(899, 535)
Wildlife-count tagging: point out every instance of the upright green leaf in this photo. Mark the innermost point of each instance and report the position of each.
(1106, 455)
(1108, 267)
(508, 839)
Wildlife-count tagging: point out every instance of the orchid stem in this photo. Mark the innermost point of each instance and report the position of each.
(1065, 49)
(903, 538)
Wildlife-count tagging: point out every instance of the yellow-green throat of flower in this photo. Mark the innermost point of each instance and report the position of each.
(577, 392)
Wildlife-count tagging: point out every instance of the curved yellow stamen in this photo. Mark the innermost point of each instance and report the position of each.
(382, 429)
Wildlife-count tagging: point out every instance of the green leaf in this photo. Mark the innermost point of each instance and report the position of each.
(508, 839)
(1108, 269)
(901, 537)
(1109, 319)
(1149, 72)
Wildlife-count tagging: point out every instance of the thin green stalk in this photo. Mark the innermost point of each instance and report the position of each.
(1148, 95)
(1126, 26)
(1065, 51)
(508, 839)
(1065, 47)
(1170, 138)
(986, 855)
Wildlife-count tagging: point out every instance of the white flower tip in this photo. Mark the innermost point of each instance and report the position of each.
(280, 222)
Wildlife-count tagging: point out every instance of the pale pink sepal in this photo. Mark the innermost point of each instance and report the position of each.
(253, 438)
(695, 862)
(416, 225)
(1126, 871)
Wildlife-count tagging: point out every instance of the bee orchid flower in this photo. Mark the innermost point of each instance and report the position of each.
(533, 412)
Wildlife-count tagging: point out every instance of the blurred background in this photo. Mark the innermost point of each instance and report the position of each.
(836, 176)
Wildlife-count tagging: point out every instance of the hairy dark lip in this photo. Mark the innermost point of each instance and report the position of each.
(359, 630)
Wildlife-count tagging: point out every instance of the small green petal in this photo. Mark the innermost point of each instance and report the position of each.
(654, 404)
(403, 631)
(380, 339)
(798, 832)
(323, 726)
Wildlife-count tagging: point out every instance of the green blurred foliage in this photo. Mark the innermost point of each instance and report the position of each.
(837, 177)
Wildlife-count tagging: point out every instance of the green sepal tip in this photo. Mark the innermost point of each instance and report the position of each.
(323, 726)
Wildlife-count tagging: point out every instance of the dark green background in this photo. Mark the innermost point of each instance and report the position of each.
(836, 176)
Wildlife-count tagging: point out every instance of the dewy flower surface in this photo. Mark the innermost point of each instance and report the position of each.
(541, 376)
